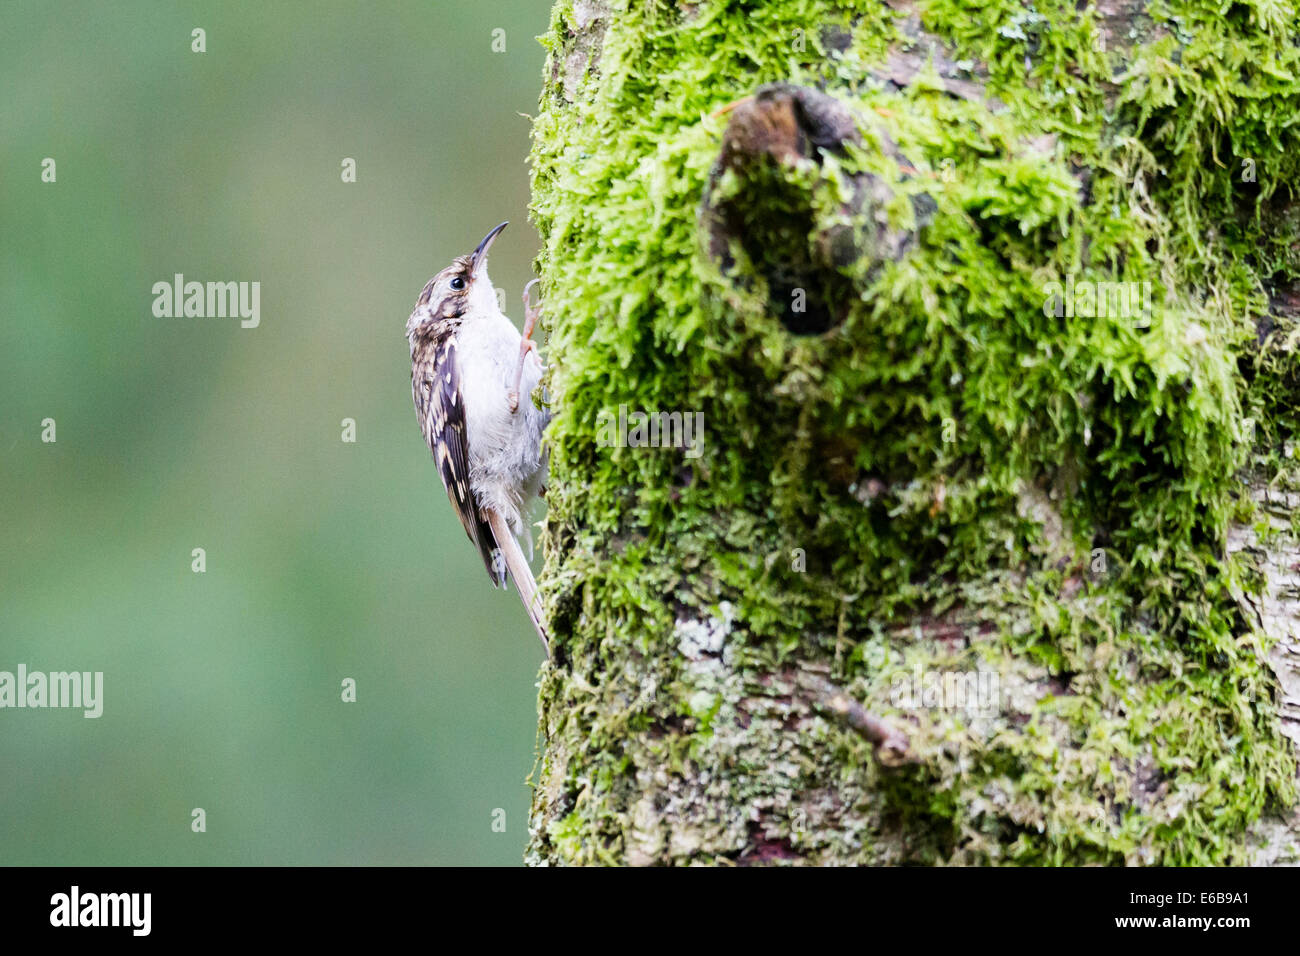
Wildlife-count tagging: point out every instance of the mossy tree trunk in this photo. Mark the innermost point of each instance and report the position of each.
(988, 552)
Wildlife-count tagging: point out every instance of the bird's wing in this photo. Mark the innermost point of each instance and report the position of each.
(443, 418)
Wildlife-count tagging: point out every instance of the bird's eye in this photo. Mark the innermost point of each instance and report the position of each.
(457, 283)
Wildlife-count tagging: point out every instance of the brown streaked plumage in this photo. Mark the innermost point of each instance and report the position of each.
(435, 388)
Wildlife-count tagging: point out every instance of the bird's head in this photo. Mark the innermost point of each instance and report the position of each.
(460, 291)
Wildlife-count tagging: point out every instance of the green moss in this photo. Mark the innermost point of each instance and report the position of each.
(947, 453)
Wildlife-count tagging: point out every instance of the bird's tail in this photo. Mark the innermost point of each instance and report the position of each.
(519, 570)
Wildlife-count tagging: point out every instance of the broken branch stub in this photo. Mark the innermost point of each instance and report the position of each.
(765, 214)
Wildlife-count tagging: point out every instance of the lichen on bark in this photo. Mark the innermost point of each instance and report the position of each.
(940, 482)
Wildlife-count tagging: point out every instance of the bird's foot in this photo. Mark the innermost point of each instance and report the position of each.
(531, 314)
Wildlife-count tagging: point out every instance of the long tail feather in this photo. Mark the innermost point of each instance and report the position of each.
(519, 570)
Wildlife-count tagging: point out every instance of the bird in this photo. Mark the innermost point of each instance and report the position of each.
(469, 366)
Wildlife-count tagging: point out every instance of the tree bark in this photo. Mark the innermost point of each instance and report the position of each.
(987, 550)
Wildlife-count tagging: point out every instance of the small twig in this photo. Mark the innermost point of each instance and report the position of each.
(889, 744)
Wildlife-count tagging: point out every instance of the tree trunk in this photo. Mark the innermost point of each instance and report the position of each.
(986, 551)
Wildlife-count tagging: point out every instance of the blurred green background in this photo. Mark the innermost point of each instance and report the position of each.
(325, 560)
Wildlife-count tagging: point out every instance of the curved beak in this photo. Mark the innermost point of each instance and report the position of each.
(480, 254)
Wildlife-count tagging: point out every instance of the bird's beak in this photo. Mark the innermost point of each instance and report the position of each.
(480, 254)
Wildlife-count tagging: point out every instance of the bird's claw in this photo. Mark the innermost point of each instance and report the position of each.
(529, 308)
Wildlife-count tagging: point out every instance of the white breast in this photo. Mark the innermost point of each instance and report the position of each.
(505, 454)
